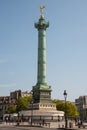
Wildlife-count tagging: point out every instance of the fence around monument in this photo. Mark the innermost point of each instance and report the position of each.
(46, 120)
(34, 118)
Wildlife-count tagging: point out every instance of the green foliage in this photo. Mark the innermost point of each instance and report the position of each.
(59, 105)
(23, 102)
(71, 109)
(11, 109)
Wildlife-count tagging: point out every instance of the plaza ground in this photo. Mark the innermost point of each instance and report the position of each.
(14, 126)
(11, 127)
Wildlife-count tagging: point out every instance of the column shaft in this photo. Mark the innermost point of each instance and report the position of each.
(41, 77)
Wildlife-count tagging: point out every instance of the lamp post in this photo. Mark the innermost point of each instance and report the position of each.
(32, 108)
(18, 119)
(31, 112)
(65, 97)
(3, 114)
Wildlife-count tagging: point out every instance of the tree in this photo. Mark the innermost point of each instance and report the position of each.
(11, 109)
(71, 109)
(23, 102)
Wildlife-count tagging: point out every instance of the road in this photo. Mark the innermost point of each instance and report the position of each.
(27, 128)
(23, 128)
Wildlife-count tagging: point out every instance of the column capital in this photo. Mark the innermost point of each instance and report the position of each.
(42, 24)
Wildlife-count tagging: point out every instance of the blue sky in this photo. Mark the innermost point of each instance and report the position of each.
(66, 46)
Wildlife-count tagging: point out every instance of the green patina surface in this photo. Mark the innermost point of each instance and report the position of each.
(42, 87)
(41, 26)
(41, 91)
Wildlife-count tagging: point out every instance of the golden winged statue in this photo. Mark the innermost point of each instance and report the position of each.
(41, 10)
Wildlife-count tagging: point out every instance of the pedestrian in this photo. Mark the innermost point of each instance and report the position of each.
(43, 121)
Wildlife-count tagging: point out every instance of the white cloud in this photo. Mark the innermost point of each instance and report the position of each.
(7, 85)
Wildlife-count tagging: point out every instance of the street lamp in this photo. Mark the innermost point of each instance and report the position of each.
(65, 97)
(31, 113)
(32, 108)
(18, 119)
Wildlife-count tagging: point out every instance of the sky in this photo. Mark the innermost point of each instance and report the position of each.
(66, 46)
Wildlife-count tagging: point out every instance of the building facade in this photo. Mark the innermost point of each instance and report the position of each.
(81, 104)
(5, 101)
